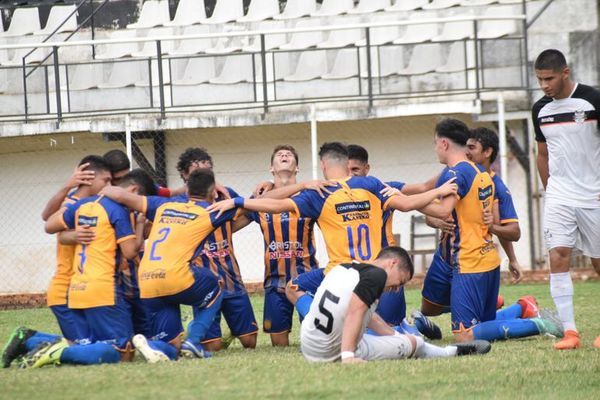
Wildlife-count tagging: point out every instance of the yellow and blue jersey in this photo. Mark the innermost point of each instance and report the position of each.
(128, 270)
(471, 249)
(350, 217)
(388, 218)
(179, 230)
(93, 283)
(59, 285)
(503, 197)
(289, 246)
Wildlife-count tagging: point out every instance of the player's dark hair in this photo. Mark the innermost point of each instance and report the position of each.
(453, 129)
(97, 163)
(117, 160)
(334, 150)
(357, 152)
(200, 183)
(398, 252)
(551, 59)
(488, 139)
(284, 147)
(190, 155)
(141, 178)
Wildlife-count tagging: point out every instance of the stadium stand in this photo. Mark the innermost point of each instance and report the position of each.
(407, 5)
(343, 38)
(153, 13)
(24, 21)
(188, 12)
(418, 33)
(61, 19)
(370, 6)
(259, 10)
(226, 11)
(149, 48)
(192, 46)
(271, 41)
(333, 7)
(312, 64)
(304, 40)
(424, 58)
(440, 4)
(297, 8)
(197, 70)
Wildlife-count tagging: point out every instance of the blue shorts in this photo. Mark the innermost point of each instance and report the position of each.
(278, 312)
(309, 282)
(239, 316)
(110, 324)
(140, 317)
(438, 282)
(392, 306)
(165, 314)
(473, 298)
(72, 324)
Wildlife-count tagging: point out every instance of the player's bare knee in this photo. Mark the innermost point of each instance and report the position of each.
(464, 336)
(215, 345)
(560, 259)
(248, 341)
(429, 309)
(280, 339)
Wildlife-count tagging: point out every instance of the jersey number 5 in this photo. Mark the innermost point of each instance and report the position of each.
(164, 232)
(328, 327)
(363, 239)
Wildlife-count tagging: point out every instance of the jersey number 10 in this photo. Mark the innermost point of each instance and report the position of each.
(363, 239)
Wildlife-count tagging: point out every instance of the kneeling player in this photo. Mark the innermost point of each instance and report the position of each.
(344, 307)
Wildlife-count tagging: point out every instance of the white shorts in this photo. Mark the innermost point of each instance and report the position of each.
(370, 347)
(572, 227)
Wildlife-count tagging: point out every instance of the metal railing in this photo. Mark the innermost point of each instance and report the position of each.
(266, 91)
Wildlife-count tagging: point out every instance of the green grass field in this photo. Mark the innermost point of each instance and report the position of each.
(517, 369)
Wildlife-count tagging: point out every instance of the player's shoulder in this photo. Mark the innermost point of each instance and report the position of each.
(364, 182)
(586, 92)
(110, 205)
(540, 103)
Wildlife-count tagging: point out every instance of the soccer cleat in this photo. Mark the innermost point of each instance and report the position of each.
(597, 342)
(151, 355)
(15, 346)
(499, 302)
(406, 327)
(552, 316)
(548, 327)
(426, 326)
(191, 350)
(530, 307)
(473, 347)
(570, 342)
(47, 354)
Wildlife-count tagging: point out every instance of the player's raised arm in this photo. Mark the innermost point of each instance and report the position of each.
(273, 206)
(419, 201)
(416, 188)
(80, 177)
(120, 195)
(287, 191)
(56, 223)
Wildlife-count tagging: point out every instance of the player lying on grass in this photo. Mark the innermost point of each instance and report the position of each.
(344, 306)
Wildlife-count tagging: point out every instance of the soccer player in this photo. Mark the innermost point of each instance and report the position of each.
(219, 256)
(350, 215)
(22, 340)
(289, 249)
(568, 138)
(94, 292)
(344, 306)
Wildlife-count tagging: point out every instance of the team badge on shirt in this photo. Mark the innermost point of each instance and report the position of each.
(579, 116)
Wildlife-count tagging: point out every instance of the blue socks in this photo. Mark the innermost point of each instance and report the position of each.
(203, 319)
(303, 305)
(511, 312)
(89, 354)
(39, 338)
(164, 347)
(505, 329)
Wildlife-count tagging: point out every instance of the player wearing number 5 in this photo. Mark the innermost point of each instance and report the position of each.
(166, 277)
(345, 305)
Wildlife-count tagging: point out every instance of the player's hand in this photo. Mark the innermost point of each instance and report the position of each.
(353, 360)
(262, 187)
(80, 177)
(488, 218)
(319, 186)
(446, 226)
(222, 191)
(515, 271)
(220, 207)
(389, 191)
(85, 234)
(112, 192)
(140, 219)
(448, 188)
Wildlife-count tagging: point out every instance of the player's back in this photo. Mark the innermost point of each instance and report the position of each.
(471, 248)
(178, 231)
(350, 218)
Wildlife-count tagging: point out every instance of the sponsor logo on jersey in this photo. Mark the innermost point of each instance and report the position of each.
(85, 220)
(158, 273)
(170, 216)
(485, 192)
(78, 286)
(344, 208)
(288, 245)
(546, 120)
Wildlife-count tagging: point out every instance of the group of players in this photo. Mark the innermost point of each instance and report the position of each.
(128, 258)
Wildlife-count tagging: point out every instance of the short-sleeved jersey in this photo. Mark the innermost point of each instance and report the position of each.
(471, 249)
(506, 206)
(93, 283)
(350, 217)
(322, 328)
(59, 285)
(218, 254)
(570, 127)
(179, 229)
(387, 236)
(289, 246)
(128, 271)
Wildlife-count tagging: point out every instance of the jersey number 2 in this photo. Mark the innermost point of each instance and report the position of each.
(363, 239)
(328, 327)
(164, 232)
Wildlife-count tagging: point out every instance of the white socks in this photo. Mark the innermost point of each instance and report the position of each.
(561, 289)
(426, 350)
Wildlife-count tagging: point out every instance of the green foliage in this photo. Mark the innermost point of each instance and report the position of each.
(517, 369)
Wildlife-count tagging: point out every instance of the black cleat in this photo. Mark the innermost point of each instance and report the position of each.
(426, 326)
(473, 347)
(15, 346)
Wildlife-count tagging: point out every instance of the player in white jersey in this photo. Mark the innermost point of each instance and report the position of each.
(344, 306)
(567, 131)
